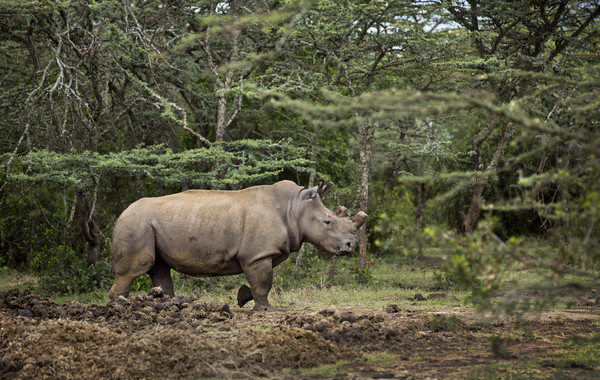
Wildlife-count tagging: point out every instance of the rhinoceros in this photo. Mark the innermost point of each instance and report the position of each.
(217, 233)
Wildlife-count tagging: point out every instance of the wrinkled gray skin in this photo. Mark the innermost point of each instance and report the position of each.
(219, 233)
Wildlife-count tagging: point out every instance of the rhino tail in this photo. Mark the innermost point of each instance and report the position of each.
(244, 295)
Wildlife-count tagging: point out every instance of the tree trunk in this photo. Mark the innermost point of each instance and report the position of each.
(365, 146)
(420, 202)
(88, 217)
(470, 219)
(474, 207)
(332, 267)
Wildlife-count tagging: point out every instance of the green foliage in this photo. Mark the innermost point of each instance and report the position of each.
(394, 229)
(141, 284)
(444, 280)
(364, 276)
(61, 270)
(287, 276)
(238, 163)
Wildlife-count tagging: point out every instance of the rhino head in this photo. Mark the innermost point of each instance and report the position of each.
(330, 231)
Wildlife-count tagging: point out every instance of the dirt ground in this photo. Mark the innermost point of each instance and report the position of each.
(157, 337)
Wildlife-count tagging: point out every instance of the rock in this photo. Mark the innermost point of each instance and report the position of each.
(156, 292)
(347, 316)
(322, 326)
(392, 308)
(419, 297)
(25, 313)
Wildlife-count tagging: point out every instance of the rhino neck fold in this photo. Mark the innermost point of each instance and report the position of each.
(295, 236)
(288, 198)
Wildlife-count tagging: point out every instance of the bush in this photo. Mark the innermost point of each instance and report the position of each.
(394, 228)
(62, 270)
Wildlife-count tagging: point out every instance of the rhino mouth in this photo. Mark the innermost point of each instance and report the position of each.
(342, 248)
(345, 248)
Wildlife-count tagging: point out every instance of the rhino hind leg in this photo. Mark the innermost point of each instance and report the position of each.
(160, 274)
(130, 260)
(244, 295)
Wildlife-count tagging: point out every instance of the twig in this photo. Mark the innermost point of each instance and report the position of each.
(10, 160)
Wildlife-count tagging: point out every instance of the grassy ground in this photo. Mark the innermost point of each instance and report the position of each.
(10, 278)
(390, 280)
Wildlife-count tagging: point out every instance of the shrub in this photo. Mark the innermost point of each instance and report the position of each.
(62, 270)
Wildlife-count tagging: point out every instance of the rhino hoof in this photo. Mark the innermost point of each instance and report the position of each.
(244, 295)
(266, 307)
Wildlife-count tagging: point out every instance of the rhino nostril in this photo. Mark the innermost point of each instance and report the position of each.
(348, 245)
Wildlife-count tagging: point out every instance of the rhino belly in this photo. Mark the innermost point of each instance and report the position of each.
(198, 255)
(198, 263)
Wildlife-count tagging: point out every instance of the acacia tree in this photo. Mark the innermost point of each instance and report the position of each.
(509, 37)
(86, 84)
(106, 76)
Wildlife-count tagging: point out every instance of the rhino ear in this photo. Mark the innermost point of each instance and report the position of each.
(309, 193)
(322, 189)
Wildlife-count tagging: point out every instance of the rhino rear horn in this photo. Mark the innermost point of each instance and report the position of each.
(322, 189)
(359, 219)
(341, 212)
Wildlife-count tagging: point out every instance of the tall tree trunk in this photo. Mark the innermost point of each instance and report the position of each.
(508, 130)
(314, 150)
(366, 134)
(472, 215)
(420, 202)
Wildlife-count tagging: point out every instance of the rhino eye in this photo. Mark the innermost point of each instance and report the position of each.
(327, 222)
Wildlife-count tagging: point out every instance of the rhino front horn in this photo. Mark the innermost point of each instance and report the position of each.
(359, 219)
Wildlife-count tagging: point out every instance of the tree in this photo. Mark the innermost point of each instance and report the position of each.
(526, 37)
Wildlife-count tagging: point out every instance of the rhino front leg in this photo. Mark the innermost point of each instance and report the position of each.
(260, 277)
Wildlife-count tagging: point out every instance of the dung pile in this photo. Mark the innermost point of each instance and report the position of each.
(35, 348)
(377, 332)
(148, 336)
(129, 314)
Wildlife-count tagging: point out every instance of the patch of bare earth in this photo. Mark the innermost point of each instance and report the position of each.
(155, 336)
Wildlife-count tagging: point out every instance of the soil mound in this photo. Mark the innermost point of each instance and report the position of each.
(374, 332)
(146, 336)
(129, 314)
